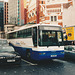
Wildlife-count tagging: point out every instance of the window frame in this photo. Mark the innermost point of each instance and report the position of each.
(53, 18)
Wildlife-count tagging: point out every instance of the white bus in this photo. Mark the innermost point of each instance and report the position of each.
(38, 41)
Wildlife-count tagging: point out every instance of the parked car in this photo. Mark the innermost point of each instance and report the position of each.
(70, 51)
(8, 54)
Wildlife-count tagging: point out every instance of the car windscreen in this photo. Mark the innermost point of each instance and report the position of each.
(6, 49)
(3, 42)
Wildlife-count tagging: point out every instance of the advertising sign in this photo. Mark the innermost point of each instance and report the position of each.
(68, 33)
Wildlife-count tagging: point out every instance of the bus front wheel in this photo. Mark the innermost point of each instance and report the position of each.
(28, 55)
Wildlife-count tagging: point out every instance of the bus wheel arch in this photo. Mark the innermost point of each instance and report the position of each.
(28, 54)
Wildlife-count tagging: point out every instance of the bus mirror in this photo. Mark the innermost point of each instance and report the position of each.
(66, 37)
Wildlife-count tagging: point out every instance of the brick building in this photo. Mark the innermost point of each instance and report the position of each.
(46, 11)
(5, 12)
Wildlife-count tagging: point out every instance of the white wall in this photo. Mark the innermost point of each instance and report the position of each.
(69, 16)
(32, 5)
(56, 1)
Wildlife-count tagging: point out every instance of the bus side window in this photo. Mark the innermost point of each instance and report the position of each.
(35, 36)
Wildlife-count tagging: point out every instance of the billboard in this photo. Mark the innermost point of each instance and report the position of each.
(68, 33)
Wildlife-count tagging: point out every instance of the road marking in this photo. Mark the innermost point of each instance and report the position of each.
(60, 60)
(28, 62)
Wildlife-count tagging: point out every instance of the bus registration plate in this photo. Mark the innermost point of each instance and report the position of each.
(53, 55)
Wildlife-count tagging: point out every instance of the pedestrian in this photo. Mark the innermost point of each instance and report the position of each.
(72, 43)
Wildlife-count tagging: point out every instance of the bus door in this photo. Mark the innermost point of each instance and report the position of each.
(35, 36)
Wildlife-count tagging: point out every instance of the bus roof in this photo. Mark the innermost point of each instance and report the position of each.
(33, 25)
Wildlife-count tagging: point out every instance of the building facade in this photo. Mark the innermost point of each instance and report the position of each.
(9, 27)
(1, 19)
(69, 16)
(16, 12)
(46, 11)
(25, 12)
(5, 12)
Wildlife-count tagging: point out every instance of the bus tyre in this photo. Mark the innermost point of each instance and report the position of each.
(28, 55)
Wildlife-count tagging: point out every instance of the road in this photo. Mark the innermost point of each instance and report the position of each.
(54, 67)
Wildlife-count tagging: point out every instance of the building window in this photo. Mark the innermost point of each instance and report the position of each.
(29, 15)
(53, 0)
(48, 0)
(32, 14)
(18, 23)
(18, 2)
(42, 2)
(35, 12)
(53, 18)
(18, 16)
(18, 19)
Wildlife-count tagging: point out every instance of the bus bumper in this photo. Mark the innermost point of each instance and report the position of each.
(47, 55)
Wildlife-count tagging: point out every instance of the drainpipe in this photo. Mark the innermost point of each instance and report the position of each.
(37, 11)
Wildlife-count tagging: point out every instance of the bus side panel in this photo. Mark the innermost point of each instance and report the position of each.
(21, 50)
(19, 45)
(39, 55)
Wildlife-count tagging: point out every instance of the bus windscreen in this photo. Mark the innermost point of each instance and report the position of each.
(50, 38)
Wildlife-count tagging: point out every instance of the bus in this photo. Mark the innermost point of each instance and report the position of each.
(38, 41)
